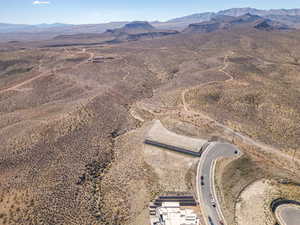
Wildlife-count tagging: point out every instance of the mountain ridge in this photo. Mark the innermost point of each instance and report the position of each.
(206, 16)
(23, 32)
(129, 32)
(196, 17)
(225, 22)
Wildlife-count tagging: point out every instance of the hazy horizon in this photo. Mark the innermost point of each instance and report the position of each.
(92, 12)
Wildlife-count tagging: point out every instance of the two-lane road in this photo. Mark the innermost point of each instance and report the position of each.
(288, 214)
(205, 180)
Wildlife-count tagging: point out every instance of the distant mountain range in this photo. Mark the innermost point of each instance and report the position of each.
(139, 30)
(6, 27)
(21, 32)
(225, 22)
(129, 32)
(290, 17)
(200, 17)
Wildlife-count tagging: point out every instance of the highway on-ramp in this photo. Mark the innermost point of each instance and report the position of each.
(205, 180)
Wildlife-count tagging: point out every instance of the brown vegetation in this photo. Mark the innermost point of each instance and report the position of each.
(64, 121)
(262, 99)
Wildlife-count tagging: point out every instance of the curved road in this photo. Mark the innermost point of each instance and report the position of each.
(288, 214)
(205, 180)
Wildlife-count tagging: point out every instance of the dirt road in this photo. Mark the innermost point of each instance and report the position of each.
(245, 139)
(45, 73)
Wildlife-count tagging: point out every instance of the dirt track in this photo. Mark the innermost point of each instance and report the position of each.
(244, 138)
(44, 73)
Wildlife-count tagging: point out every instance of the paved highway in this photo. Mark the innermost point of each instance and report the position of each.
(205, 180)
(288, 215)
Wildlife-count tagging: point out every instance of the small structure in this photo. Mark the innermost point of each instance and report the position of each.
(170, 213)
(174, 209)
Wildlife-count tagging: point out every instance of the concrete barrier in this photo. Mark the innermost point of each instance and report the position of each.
(173, 148)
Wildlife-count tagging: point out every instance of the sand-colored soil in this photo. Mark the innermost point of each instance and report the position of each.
(251, 208)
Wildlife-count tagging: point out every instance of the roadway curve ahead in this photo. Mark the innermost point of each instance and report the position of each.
(205, 174)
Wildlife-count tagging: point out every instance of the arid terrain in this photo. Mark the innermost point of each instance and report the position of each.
(72, 128)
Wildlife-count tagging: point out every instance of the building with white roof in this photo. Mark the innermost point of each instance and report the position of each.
(170, 213)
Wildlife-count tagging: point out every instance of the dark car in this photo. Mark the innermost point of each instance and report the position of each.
(202, 183)
(210, 221)
(202, 177)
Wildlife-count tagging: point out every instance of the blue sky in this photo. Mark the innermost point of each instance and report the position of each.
(97, 11)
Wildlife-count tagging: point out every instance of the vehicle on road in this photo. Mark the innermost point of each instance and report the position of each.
(206, 167)
(210, 221)
(213, 203)
(202, 183)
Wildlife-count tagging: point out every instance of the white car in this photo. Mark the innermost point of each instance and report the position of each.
(213, 202)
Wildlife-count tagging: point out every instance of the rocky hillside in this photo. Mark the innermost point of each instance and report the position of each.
(72, 131)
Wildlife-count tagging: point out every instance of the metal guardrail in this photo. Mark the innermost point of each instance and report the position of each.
(176, 197)
(281, 201)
